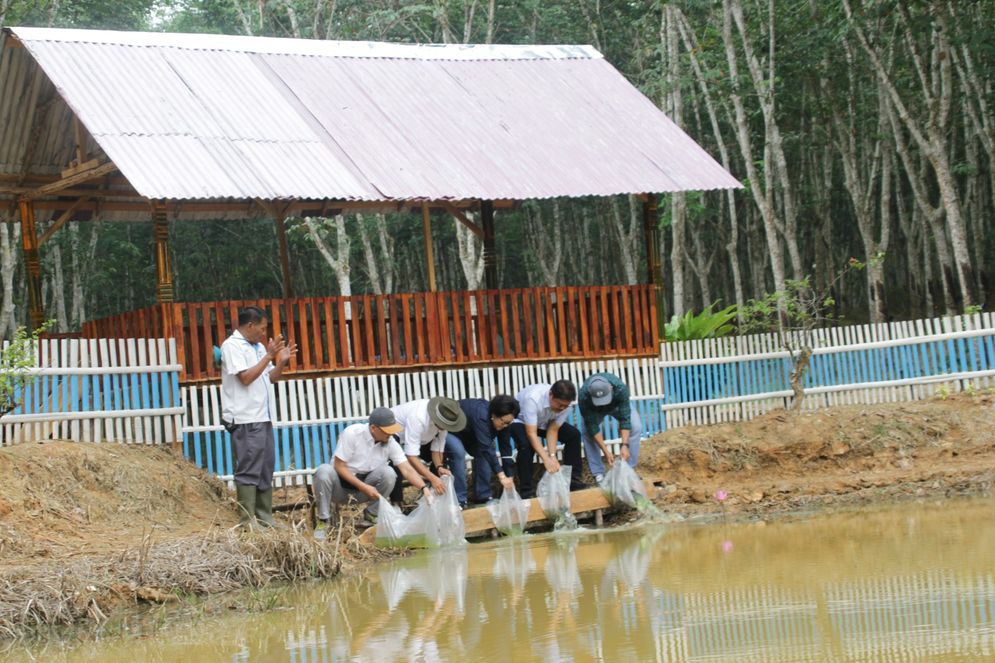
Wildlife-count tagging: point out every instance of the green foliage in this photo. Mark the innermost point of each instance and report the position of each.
(15, 360)
(707, 324)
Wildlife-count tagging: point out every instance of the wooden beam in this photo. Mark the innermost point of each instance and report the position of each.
(281, 238)
(164, 291)
(426, 225)
(461, 217)
(66, 182)
(81, 168)
(477, 522)
(654, 267)
(32, 262)
(279, 214)
(61, 221)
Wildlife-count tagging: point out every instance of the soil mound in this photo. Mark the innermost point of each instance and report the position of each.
(61, 499)
(859, 453)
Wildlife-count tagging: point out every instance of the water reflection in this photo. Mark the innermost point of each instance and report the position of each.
(906, 583)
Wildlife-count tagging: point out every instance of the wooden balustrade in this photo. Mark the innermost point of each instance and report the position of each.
(413, 329)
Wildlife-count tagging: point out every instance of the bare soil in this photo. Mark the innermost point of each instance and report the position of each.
(85, 528)
(840, 457)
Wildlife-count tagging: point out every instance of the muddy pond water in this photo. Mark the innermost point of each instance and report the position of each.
(908, 582)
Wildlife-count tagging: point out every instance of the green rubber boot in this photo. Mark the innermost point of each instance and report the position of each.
(247, 498)
(264, 507)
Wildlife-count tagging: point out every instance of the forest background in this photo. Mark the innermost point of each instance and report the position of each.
(859, 128)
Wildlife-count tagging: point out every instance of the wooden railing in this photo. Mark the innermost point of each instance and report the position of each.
(413, 329)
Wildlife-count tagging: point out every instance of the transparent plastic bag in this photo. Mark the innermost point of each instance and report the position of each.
(509, 513)
(434, 522)
(622, 486)
(390, 525)
(553, 493)
(448, 526)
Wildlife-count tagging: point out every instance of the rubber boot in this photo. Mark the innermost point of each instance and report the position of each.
(264, 507)
(246, 504)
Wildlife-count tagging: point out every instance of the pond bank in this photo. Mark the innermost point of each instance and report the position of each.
(90, 530)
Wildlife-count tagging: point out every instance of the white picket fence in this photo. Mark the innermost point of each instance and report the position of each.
(310, 413)
(738, 378)
(97, 390)
(128, 390)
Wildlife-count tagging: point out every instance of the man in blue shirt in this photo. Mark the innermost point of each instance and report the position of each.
(484, 421)
(605, 395)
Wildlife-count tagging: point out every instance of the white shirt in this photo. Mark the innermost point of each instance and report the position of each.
(362, 454)
(418, 427)
(533, 402)
(243, 404)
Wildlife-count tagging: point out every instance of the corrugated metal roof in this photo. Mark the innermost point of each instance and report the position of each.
(195, 117)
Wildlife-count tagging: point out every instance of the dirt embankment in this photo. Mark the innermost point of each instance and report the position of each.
(844, 456)
(86, 529)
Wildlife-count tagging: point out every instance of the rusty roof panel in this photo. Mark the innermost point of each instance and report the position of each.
(191, 117)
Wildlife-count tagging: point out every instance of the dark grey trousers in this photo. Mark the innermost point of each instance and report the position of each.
(255, 456)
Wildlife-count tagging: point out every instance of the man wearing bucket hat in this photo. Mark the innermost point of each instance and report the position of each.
(426, 423)
(603, 395)
(359, 469)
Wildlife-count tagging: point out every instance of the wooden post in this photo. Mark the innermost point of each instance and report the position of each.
(281, 238)
(164, 293)
(426, 224)
(490, 258)
(654, 268)
(32, 261)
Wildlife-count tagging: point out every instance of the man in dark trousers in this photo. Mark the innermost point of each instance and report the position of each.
(250, 360)
(544, 412)
(485, 420)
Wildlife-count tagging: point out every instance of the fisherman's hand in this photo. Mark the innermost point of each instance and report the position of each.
(551, 464)
(508, 483)
(285, 353)
(437, 484)
(623, 452)
(609, 457)
(370, 492)
(444, 472)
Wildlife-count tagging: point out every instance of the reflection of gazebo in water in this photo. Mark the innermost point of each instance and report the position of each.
(170, 127)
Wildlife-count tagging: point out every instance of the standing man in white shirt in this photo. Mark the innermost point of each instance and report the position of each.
(426, 423)
(249, 363)
(543, 416)
(359, 469)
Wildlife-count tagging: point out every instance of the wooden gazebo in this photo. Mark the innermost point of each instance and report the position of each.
(174, 127)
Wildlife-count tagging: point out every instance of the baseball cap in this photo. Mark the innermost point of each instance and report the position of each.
(600, 391)
(383, 419)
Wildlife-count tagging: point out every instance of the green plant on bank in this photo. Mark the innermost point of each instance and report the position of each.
(793, 314)
(973, 309)
(707, 324)
(15, 360)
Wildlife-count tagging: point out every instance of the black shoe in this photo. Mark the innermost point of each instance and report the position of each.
(578, 485)
(526, 494)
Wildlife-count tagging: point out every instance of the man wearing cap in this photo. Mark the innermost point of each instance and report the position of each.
(426, 422)
(602, 395)
(544, 412)
(360, 468)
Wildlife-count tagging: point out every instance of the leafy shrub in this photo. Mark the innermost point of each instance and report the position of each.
(707, 324)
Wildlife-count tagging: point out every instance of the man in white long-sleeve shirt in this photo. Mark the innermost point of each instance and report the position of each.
(426, 423)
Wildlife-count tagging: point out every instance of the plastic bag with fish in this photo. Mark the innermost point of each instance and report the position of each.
(553, 493)
(509, 513)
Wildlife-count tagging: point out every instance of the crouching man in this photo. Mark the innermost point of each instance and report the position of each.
(359, 469)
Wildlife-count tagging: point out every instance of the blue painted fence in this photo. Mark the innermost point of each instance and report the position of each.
(95, 390)
(699, 382)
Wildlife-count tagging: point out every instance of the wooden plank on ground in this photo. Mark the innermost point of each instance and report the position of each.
(477, 522)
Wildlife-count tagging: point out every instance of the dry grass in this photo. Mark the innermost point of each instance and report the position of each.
(36, 596)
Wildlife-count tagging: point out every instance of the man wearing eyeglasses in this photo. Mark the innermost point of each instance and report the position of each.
(485, 420)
